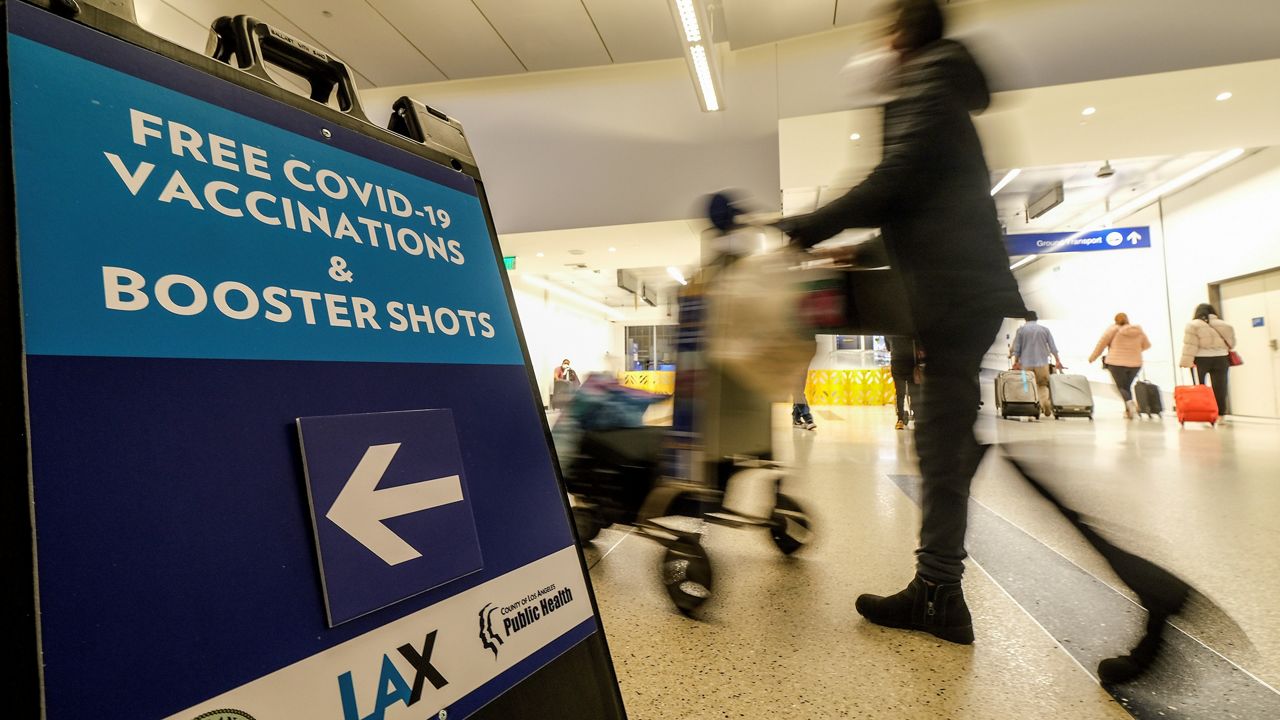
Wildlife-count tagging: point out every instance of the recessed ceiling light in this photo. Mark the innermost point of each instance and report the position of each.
(541, 254)
(1224, 96)
(855, 136)
(1089, 111)
(576, 251)
(613, 249)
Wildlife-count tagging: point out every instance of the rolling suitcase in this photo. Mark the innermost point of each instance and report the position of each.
(1016, 394)
(1195, 403)
(1147, 395)
(1070, 396)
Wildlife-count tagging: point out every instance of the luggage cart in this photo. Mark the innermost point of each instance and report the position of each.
(714, 465)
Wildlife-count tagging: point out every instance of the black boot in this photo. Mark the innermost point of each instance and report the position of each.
(939, 610)
(1116, 670)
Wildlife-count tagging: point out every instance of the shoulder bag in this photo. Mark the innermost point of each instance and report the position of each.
(1233, 357)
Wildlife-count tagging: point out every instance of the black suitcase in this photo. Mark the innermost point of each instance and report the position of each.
(1147, 394)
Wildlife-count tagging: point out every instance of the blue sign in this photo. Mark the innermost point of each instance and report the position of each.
(320, 254)
(1259, 322)
(1126, 238)
(202, 265)
(388, 499)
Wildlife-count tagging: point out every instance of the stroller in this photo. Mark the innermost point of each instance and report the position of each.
(713, 464)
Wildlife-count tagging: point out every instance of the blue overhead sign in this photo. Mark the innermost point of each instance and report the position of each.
(201, 266)
(1126, 238)
(388, 500)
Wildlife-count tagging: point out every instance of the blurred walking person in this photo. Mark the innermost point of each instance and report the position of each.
(1123, 344)
(930, 196)
(1207, 343)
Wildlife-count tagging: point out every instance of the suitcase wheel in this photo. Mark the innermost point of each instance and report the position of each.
(789, 526)
(686, 573)
(587, 522)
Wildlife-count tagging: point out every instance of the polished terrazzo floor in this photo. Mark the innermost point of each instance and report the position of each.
(781, 639)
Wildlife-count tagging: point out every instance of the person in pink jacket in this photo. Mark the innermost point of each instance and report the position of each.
(1124, 344)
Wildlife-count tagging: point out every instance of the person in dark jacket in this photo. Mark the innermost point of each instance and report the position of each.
(930, 196)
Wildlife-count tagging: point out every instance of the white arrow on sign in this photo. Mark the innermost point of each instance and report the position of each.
(1134, 237)
(361, 508)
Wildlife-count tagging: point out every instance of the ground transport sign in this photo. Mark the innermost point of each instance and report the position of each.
(1127, 238)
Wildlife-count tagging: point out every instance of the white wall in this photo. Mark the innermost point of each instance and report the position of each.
(1223, 227)
(555, 329)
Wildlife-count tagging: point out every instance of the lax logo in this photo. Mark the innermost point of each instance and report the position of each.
(392, 688)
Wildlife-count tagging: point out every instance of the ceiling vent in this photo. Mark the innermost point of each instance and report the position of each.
(1046, 202)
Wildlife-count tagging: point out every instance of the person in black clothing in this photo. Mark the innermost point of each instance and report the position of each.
(930, 196)
(902, 366)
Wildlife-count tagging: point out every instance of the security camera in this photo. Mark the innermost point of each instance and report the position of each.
(1106, 170)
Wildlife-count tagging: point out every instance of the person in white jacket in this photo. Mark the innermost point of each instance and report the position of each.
(1206, 344)
(1124, 344)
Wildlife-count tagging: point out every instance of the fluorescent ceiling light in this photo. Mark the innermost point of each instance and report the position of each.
(697, 40)
(1224, 96)
(689, 19)
(676, 275)
(572, 295)
(1024, 261)
(706, 85)
(1008, 178)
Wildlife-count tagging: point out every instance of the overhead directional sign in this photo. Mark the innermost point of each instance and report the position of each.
(1126, 238)
(389, 506)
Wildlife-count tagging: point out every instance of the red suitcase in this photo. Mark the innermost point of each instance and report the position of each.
(1195, 403)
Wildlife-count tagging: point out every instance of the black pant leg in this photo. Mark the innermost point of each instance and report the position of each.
(1123, 378)
(1213, 371)
(900, 388)
(1218, 376)
(949, 452)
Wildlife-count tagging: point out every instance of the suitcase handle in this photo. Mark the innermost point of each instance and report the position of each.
(253, 44)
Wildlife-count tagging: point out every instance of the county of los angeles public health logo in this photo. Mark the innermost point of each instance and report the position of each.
(519, 615)
(488, 637)
(226, 714)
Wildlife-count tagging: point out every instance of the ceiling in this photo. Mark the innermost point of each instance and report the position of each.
(587, 260)
(1086, 195)
(401, 42)
(578, 121)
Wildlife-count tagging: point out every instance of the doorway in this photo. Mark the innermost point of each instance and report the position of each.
(1252, 306)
